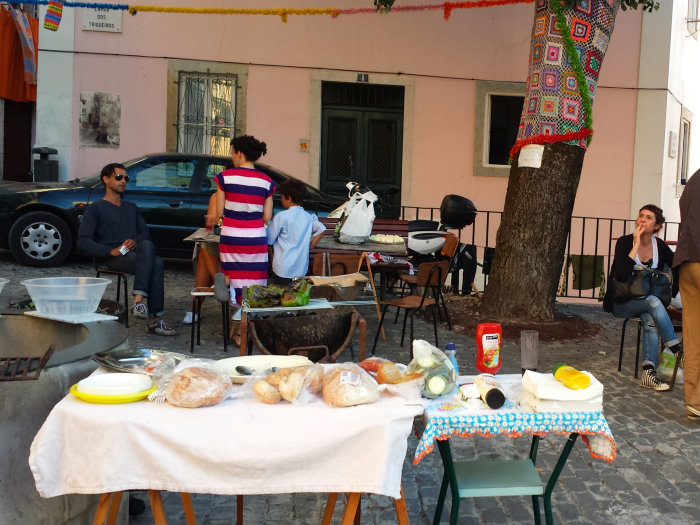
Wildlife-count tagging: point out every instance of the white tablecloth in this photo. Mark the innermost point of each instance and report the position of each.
(240, 446)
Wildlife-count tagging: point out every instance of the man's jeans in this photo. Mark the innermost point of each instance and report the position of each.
(147, 268)
(655, 321)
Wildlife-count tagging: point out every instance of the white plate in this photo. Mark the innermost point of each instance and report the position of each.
(114, 384)
(259, 363)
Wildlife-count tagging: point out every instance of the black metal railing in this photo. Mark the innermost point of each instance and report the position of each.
(592, 237)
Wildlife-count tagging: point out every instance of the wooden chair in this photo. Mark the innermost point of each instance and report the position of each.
(121, 277)
(448, 252)
(430, 275)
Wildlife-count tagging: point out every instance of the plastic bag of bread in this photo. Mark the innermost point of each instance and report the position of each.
(195, 383)
(296, 385)
(347, 385)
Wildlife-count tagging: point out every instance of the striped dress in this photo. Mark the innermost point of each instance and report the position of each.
(243, 244)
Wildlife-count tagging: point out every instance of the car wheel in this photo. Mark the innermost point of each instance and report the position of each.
(40, 239)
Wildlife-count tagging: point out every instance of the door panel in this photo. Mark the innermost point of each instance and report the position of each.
(363, 146)
(341, 152)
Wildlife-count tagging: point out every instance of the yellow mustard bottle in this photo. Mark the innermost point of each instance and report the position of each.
(570, 377)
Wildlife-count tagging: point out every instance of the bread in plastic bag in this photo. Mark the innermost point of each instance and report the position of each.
(195, 383)
(347, 385)
(295, 384)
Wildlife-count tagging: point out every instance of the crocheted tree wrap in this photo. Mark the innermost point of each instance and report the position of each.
(566, 54)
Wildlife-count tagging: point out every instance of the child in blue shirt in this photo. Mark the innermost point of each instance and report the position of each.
(292, 233)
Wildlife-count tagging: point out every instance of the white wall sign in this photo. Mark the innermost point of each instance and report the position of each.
(531, 156)
(672, 144)
(102, 20)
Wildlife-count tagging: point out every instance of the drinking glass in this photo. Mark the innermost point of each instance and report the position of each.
(528, 349)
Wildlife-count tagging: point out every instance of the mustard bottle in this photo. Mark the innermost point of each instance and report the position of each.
(570, 377)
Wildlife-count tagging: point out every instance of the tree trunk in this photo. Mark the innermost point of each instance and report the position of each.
(566, 53)
(532, 236)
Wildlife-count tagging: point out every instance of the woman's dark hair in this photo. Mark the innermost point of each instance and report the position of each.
(251, 147)
(658, 214)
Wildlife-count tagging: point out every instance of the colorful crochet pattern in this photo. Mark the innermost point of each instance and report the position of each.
(444, 420)
(566, 55)
(53, 15)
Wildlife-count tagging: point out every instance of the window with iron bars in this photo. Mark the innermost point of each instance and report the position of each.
(206, 113)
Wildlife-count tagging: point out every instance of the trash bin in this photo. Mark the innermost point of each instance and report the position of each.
(45, 169)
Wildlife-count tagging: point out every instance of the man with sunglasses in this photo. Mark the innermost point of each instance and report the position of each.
(114, 232)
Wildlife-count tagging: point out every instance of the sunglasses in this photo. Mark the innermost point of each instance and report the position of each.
(119, 176)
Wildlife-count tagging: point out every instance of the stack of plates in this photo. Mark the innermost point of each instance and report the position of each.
(113, 388)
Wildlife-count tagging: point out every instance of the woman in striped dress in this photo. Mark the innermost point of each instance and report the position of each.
(244, 199)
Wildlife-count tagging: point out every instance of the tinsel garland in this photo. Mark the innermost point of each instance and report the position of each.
(89, 5)
(283, 13)
(575, 59)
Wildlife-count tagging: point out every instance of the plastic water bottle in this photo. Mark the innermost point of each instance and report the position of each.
(451, 354)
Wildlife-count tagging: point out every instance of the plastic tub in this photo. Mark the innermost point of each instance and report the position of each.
(3, 282)
(63, 296)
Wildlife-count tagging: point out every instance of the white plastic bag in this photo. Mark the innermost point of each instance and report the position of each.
(359, 217)
(666, 366)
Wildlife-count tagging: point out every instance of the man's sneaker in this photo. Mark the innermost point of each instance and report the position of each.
(160, 327)
(139, 311)
(649, 380)
(188, 318)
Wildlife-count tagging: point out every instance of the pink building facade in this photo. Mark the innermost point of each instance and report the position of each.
(431, 83)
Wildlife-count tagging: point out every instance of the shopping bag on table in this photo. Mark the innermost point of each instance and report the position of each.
(358, 220)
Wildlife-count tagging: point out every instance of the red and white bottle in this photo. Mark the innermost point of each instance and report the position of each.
(488, 347)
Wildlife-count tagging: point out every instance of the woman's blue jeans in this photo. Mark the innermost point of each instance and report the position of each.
(655, 321)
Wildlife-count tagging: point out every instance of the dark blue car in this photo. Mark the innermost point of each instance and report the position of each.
(39, 221)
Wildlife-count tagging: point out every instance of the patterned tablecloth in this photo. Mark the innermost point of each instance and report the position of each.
(445, 418)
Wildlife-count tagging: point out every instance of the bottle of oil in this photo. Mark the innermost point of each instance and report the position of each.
(570, 377)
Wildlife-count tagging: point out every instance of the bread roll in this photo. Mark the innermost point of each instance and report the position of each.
(267, 392)
(197, 387)
(347, 385)
(276, 377)
(290, 386)
(314, 379)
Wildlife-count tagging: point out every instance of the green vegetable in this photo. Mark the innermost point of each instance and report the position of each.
(436, 385)
(272, 295)
(297, 295)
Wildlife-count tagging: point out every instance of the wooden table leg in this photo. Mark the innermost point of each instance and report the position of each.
(365, 257)
(239, 510)
(363, 337)
(102, 508)
(114, 508)
(190, 518)
(351, 508)
(401, 512)
(330, 507)
(243, 332)
(157, 508)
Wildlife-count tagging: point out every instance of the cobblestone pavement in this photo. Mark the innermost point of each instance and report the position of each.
(655, 478)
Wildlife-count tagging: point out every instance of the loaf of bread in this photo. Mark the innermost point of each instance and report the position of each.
(197, 386)
(347, 385)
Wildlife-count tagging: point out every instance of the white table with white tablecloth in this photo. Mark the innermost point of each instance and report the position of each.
(240, 446)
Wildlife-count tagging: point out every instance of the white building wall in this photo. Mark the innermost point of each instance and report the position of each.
(669, 76)
(54, 100)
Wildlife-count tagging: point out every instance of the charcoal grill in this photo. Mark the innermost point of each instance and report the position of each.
(321, 335)
(24, 368)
